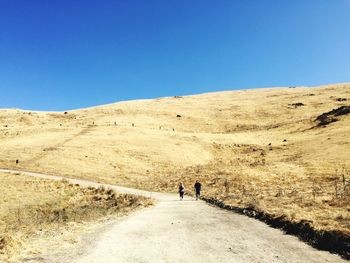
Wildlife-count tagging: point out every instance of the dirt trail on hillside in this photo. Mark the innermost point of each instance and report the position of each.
(186, 231)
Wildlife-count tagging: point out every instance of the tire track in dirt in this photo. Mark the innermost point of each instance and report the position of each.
(42, 155)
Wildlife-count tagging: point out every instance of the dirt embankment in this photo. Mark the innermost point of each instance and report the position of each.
(333, 241)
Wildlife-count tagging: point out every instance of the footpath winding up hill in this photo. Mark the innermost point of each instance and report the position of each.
(281, 153)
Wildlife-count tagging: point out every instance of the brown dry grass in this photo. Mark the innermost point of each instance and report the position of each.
(260, 148)
(32, 207)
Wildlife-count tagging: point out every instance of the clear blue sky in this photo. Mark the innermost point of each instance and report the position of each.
(60, 55)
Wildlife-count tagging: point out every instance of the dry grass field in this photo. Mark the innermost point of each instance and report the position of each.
(279, 150)
(38, 211)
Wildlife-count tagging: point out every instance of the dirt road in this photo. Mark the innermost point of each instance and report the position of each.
(188, 231)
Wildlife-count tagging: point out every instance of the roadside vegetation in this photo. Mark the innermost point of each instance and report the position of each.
(32, 208)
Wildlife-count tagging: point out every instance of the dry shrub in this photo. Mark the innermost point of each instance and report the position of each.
(2, 242)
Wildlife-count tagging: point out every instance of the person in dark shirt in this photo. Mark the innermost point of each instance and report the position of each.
(181, 191)
(197, 188)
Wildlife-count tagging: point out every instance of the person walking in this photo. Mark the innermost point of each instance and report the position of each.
(197, 189)
(181, 191)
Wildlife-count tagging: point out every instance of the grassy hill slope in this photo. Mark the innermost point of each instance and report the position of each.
(270, 149)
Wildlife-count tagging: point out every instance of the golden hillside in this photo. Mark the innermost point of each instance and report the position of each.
(262, 148)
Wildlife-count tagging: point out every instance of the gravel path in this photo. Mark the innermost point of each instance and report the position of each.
(189, 231)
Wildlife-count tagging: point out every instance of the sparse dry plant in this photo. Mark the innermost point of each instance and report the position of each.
(227, 187)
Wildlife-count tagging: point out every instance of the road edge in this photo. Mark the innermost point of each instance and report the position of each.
(332, 241)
